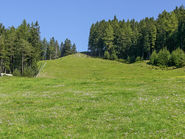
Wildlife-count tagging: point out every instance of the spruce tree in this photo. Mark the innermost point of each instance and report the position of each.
(108, 38)
(67, 47)
(73, 49)
(61, 49)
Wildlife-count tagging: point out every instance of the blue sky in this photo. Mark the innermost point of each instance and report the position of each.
(72, 18)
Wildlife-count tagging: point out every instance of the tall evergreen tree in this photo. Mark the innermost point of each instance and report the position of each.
(108, 38)
(67, 47)
(62, 49)
(44, 47)
(73, 49)
(2, 54)
(57, 50)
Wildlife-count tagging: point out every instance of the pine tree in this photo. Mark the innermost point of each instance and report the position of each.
(25, 51)
(73, 49)
(2, 54)
(180, 14)
(67, 47)
(57, 51)
(167, 26)
(35, 41)
(108, 38)
(61, 49)
(44, 49)
(51, 51)
(10, 48)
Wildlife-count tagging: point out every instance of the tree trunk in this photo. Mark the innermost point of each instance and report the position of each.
(56, 53)
(22, 66)
(0, 66)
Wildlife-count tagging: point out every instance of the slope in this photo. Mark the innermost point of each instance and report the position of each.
(83, 97)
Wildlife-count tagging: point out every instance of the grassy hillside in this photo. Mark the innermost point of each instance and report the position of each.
(83, 97)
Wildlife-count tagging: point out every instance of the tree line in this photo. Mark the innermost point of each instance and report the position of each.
(21, 48)
(52, 49)
(133, 40)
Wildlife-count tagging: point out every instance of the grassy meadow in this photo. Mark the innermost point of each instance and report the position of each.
(83, 97)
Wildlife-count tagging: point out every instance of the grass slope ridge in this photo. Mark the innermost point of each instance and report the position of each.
(83, 97)
(78, 66)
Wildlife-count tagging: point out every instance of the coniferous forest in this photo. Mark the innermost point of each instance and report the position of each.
(21, 48)
(133, 40)
(161, 40)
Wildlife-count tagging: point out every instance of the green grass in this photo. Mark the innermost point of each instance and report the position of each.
(82, 97)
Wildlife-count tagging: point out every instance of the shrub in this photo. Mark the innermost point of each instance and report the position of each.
(131, 59)
(138, 59)
(178, 58)
(113, 56)
(28, 72)
(106, 55)
(35, 69)
(128, 59)
(122, 60)
(163, 58)
(16, 72)
(153, 58)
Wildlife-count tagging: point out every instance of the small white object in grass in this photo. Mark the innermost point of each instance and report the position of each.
(60, 85)
(4, 74)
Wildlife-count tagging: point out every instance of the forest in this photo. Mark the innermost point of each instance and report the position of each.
(21, 48)
(161, 40)
(132, 40)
